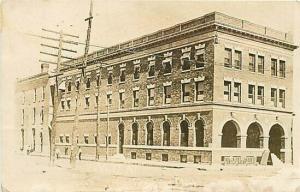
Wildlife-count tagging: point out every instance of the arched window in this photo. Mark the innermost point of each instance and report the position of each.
(230, 135)
(276, 140)
(166, 133)
(199, 129)
(254, 136)
(135, 127)
(149, 133)
(184, 134)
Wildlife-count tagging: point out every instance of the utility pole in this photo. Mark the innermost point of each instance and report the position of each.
(81, 79)
(54, 88)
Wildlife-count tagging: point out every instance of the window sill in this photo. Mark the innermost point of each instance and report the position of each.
(109, 84)
(134, 80)
(122, 82)
(152, 77)
(185, 71)
(199, 68)
(167, 74)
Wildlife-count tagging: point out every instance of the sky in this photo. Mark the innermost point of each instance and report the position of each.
(115, 22)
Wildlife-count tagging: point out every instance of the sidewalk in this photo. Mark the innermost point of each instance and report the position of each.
(169, 164)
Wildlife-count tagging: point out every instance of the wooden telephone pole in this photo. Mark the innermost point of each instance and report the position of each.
(54, 88)
(81, 79)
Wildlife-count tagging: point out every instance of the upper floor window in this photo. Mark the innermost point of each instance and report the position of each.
(260, 64)
(109, 99)
(200, 56)
(136, 98)
(199, 89)
(88, 83)
(260, 95)
(227, 90)
(87, 101)
(86, 139)
(69, 104)
(274, 97)
(136, 72)
(167, 94)
(167, 63)
(77, 84)
(61, 139)
(282, 98)
(98, 80)
(237, 59)
(186, 92)
(42, 116)
(151, 71)
(150, 96)
(67, 139)
(62, 104)
(122, 75)
(185, 59)
(228, 58)
(110, 78)
(34, 95)
(251, 94)
(237, 92)
(121, 100)
(251, 62)
(274, 67)
(33, 116)
(97, 99)
(281, 68)
(69, 86)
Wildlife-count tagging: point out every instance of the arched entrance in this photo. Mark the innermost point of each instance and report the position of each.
(149, 127)
(166, 133)
(121, 137)
(276, 140)
(230, 135)
(254, 136)
(199, 129)
(184, 134)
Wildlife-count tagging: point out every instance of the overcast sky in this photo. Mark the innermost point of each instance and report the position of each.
(114, 22)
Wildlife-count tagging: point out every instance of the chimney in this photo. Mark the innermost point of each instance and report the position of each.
(44, 68)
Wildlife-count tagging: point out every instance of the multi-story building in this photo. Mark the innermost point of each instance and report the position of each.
(213, 89)
(32, 102)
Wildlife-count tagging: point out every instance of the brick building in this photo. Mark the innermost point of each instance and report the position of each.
(213, 89)
(32, 111)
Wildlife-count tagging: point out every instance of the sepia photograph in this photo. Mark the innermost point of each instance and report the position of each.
(149, 96)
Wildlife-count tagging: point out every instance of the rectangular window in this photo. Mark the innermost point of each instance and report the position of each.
(69, 86)
(151, 97)
(87, 102)
(260, 95)
(88, 83)
(164, 157)
(167, 66)
(261, 64)
(274, 67)
(95, 139)
(237, 59)
(251, 62)
(151, 72)
(69, 104)
(61, 139)
(43, 92)
(251, 94)
(167, 94)
(136, 98)
(109, 78)
(34, 95)
(183, 158)
(33, 116)
(86, 139)
(228, 58)
(281, 68)
(186, 92)
(185, 64)
(282, 98)
(77, 85)
(62, 104)
(122, 100)
(200, 58)
(148, 156)
(98, 80)
(237, 92)
(227, 90)
(133, 155)
(136, 72)
(42, 116)
(97, 99)
(67, 139)
(122, 75)
(109, 99)
(274, 97)
(199, 87)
